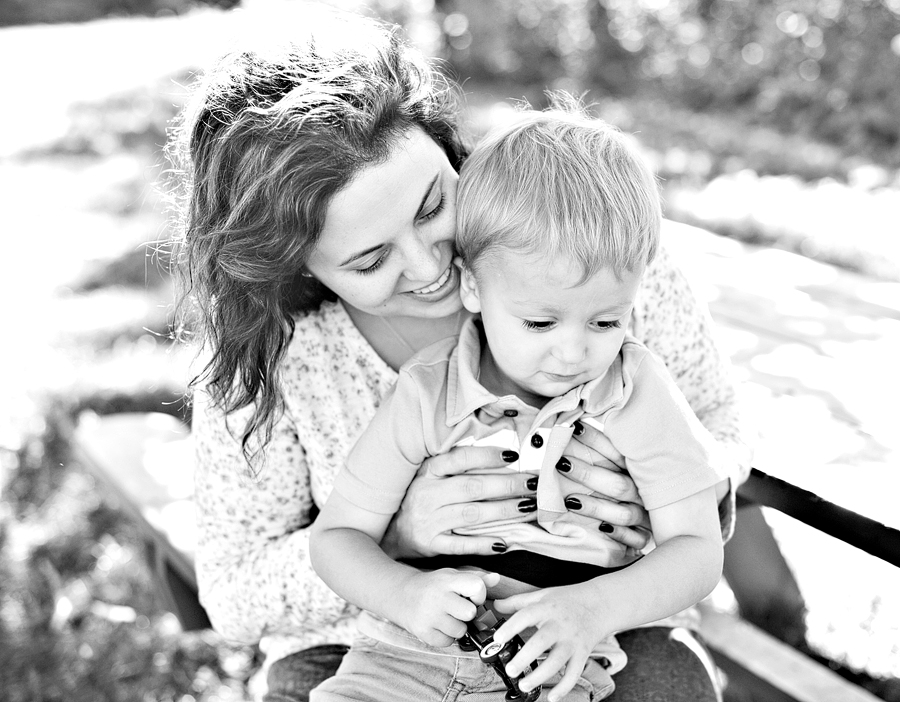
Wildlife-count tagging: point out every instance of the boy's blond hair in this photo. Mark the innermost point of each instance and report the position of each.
(560, 183)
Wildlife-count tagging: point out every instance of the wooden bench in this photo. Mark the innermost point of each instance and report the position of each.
(767, 304)
(145, 461)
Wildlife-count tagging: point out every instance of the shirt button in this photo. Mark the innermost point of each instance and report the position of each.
(537, 441)
(510, 413)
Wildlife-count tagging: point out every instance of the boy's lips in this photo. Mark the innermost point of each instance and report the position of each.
(562, 378)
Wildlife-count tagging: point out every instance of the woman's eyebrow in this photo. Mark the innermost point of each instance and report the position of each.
(428, 192)
(363, 254)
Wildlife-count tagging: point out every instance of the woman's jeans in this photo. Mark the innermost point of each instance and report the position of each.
(664, 664)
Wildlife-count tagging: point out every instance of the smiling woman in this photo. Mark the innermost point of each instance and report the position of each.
(387, 248)
(320, 181)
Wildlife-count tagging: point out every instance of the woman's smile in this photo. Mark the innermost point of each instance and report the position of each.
(440, 285)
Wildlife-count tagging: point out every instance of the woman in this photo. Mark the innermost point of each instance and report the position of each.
(320, 179)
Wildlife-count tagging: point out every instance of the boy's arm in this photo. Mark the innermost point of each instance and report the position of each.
(344, 545)
(346, 555)
(685, 566)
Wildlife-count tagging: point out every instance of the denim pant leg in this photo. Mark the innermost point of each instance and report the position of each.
(374, 671)
(665, 664)
(291, 679)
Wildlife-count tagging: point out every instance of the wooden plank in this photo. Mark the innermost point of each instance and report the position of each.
(775, 664)
(146, 459)
(814, 348)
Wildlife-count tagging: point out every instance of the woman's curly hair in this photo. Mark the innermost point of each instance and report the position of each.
(271, 135)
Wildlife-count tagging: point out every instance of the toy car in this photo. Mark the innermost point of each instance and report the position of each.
(480, 637)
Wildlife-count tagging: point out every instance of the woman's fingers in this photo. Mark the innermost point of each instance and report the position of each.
(462, 459)
(633, 537)
(616, 514)
(612, 484)
(597, 441)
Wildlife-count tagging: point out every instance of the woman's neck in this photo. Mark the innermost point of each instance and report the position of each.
(397, 339)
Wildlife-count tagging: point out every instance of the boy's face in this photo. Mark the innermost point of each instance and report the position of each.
(546, 334)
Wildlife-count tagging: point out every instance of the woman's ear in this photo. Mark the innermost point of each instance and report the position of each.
(468, 288)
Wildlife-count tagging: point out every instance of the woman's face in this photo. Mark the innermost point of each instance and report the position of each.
(387, 244)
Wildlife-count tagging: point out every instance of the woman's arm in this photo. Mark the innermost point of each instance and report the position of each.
(253, 567)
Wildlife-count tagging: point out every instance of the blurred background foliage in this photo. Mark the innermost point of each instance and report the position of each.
(825, 69)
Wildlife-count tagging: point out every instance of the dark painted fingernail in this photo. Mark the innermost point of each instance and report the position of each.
(577, 428)
(531, 483)
(498, 547)
(563, 465)
(510, 456)
(572, 503)
(606, 528)
(529, 504)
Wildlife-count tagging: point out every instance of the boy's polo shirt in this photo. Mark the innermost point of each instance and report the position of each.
(438, 403)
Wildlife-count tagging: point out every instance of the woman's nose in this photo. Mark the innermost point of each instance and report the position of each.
(423, 261)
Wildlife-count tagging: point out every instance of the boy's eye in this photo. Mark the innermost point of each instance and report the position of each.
(607, 324)
(536, 326)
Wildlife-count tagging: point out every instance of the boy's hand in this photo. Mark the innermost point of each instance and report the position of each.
(568, 628)
(437, 604)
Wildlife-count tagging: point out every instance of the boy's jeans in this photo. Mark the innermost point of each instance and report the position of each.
(387, 664)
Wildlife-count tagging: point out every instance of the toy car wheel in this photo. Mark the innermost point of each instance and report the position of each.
(491, 652)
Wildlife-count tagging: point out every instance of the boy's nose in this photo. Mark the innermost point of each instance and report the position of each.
(570, 352)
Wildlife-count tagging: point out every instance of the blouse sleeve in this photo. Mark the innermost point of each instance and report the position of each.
(253, 565)
(677, 327)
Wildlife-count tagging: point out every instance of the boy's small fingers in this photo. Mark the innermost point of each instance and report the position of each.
(516, 624)
(546, 669)
(490, 579)
(461, 609)
(565, 684)
(451, 627)
(512, 604)
(471, 586)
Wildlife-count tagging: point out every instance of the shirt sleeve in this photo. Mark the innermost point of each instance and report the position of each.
(253, 566)
(384, 460)
(668, 453)
(674, 324)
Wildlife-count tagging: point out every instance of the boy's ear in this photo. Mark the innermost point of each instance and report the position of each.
(468, 288)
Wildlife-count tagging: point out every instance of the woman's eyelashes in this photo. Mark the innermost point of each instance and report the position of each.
(382, 257)
(435, 211)
(376, 265)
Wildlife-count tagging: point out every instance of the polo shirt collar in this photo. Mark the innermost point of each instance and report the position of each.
(466, 394)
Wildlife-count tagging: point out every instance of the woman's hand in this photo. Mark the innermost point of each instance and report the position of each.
(445, 496)
(592, 460)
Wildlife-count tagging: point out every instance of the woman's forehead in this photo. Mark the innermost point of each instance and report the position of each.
(384, 197)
